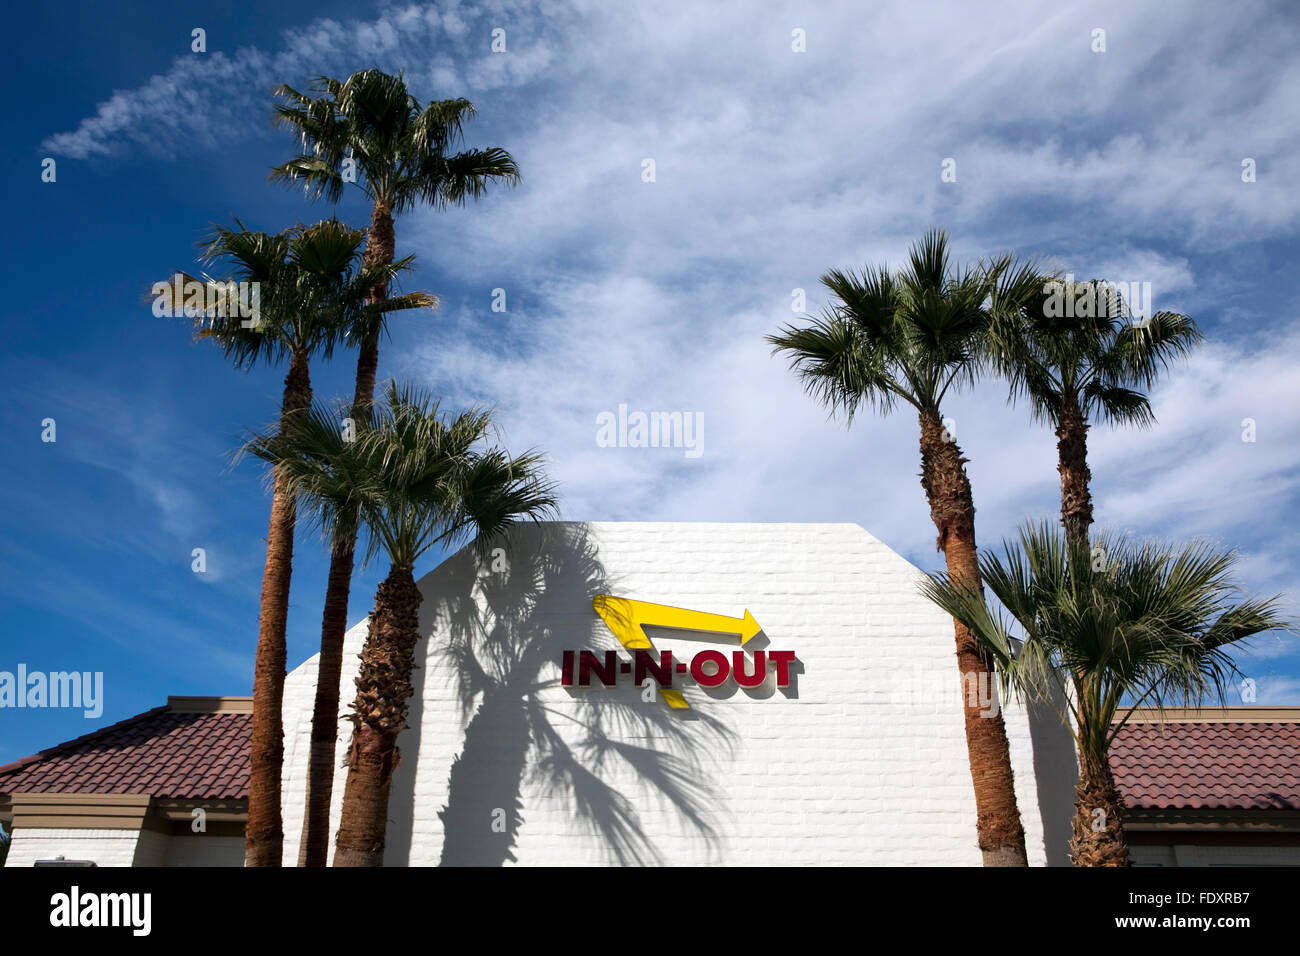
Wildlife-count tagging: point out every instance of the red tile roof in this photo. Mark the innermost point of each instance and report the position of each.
(1238, 765)
(1208, 765)
(161, 752)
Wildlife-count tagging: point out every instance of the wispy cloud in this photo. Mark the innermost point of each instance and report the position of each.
(219, 97)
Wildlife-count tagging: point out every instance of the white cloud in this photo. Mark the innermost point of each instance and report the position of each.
(220, 97)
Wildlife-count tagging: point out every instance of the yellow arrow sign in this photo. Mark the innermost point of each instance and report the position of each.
(627, 620)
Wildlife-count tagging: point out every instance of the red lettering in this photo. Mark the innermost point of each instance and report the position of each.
(782, 660)
(662, 672)
(738, 669)
(703, 678)
(589, 663)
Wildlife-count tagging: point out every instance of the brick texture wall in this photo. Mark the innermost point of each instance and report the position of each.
(861, 761)
(103, 847)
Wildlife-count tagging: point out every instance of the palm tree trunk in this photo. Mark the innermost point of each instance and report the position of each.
(943, 476)
(1098, 830)
(383, 689)
(1072, 455)
(313, 850)
(264, 832)
(314, 847)
(380, 249)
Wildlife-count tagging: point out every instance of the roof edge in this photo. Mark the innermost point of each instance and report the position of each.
(175, 705)
(84, 738)
(1231, 714)
(210, 705)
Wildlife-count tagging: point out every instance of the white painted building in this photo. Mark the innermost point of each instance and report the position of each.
(861, 759)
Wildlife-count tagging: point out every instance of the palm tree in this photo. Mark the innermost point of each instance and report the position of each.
(910, 337)
(1149, 624)
(1088, 366)
(415, 482)
(370, 125)
(311, 293)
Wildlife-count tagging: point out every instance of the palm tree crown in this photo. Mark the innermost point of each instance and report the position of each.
(313, 291)
(401, 149)
(1105, 630)
(910, 336)
(413, 478)
(1134, 621)
(1097, 360)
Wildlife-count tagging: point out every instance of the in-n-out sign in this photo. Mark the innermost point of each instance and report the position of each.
(627, 620)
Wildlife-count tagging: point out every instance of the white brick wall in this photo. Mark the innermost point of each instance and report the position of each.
(103, 847)
(125, 848)
(864, 762)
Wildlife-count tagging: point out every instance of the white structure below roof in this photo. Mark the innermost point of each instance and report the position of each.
(861, 760)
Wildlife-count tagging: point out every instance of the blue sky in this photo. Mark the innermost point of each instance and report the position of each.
(770, 166)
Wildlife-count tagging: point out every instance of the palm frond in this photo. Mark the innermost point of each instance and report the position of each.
(1140, 352)
(1073, 344)
(1115, 623)
(312, 293)
(402, 150)
(913, 335)
(838, 365)
(1116, 404)
(443, 181)
(414, 478)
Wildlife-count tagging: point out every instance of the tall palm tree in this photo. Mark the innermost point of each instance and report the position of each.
(1150, 627)
(1091, 365)
(313, 291)
(415, 482)
(401, 154)
(910, 337)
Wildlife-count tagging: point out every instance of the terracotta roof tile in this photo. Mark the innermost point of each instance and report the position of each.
(161, 752)
(1208, 765)
(1189, 765)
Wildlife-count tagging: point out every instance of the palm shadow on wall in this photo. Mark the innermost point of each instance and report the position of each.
(503, 633)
